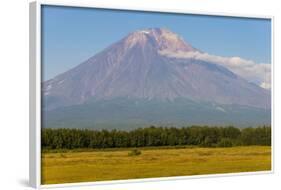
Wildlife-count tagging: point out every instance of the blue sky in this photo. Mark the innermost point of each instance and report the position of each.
(72, 35)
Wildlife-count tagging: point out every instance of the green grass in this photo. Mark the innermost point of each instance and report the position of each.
(99, 165)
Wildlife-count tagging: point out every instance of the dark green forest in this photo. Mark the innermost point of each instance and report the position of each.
(203, 136)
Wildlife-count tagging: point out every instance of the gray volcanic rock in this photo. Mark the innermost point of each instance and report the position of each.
(135, 68)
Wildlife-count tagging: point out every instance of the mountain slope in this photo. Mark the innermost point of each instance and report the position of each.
(126, 114)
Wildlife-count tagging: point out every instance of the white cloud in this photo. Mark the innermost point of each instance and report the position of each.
(259, 73)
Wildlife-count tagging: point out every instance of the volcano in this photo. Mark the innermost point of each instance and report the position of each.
(133, 83)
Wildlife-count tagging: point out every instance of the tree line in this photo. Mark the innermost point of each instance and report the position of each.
(203, 136)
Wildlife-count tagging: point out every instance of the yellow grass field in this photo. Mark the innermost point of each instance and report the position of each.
(98, 165)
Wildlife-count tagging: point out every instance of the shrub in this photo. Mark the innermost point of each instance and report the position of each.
(62, 155)
(134, 152)
(225, 142)
(208, 142)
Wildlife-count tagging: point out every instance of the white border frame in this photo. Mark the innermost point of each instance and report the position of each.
(35, 91)
(35, 94)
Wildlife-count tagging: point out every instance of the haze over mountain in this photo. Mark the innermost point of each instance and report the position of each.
(137, 81)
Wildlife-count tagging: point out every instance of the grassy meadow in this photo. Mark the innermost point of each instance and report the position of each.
(116, 164)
